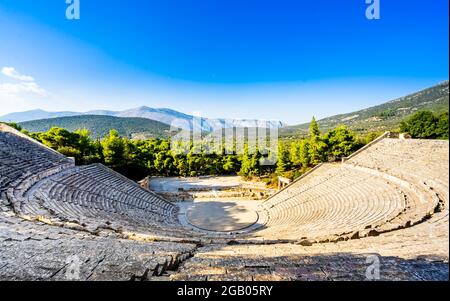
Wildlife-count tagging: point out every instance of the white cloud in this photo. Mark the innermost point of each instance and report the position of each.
(28, 87)
(26, 84)
(13, 73)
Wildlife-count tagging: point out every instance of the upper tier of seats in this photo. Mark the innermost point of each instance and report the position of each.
(39, 182)
(423, 163)
(424, 166)
(22, 157)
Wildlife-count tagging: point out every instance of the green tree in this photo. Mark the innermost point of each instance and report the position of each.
(317, 148)
(88, 150)
(58, 137)
(304, 156)
(294, 153)
(70, 152)
(164, 161)
(370, 137)
(77, 145)
(84, 140)
(250, 163)
(230, 164)
(97, 152)
(113, 148)
(314, 131)
(442, 126)
(181, 165)
(426, 125)
(283, 160)
(341, 142)
(300, 153)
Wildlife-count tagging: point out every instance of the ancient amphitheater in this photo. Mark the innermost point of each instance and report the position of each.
(388, 203)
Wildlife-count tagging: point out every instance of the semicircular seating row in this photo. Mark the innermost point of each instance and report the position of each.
(38, 181)
(392, 185)
(94, 193)
(424, 165)
(20, 157)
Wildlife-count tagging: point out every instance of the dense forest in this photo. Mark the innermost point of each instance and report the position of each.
(139, 158)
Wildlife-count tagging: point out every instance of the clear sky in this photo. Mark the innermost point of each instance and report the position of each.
(283, 59)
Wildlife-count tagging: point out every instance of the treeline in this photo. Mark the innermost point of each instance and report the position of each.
(139, 158)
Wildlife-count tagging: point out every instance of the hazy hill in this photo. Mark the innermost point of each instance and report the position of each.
(386, 116)
(100, 125)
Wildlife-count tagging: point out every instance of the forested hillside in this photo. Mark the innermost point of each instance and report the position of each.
(99, 126)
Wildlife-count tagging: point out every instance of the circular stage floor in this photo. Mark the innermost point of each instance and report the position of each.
(221, 215)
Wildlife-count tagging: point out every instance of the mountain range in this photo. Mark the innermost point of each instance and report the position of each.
(166, 116)
(150, 122)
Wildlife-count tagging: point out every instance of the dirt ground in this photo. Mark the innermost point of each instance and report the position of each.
(213, 212)
(220, 215)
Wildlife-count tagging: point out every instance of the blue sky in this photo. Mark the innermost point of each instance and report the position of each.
(282, 59)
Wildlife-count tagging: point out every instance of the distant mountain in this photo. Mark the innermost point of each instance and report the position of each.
(35, 115)
(167, 116)
(386, 116)
(189, 122)
(100, 125)
(383, 117)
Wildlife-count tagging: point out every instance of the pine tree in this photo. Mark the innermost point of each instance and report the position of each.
(283, 162)
(317, 148)
(314, 131)
(304, 156)
(250, 163)
(113, 149)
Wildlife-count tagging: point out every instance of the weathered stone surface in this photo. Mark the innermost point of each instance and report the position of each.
(42, 252)
(293, 262)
